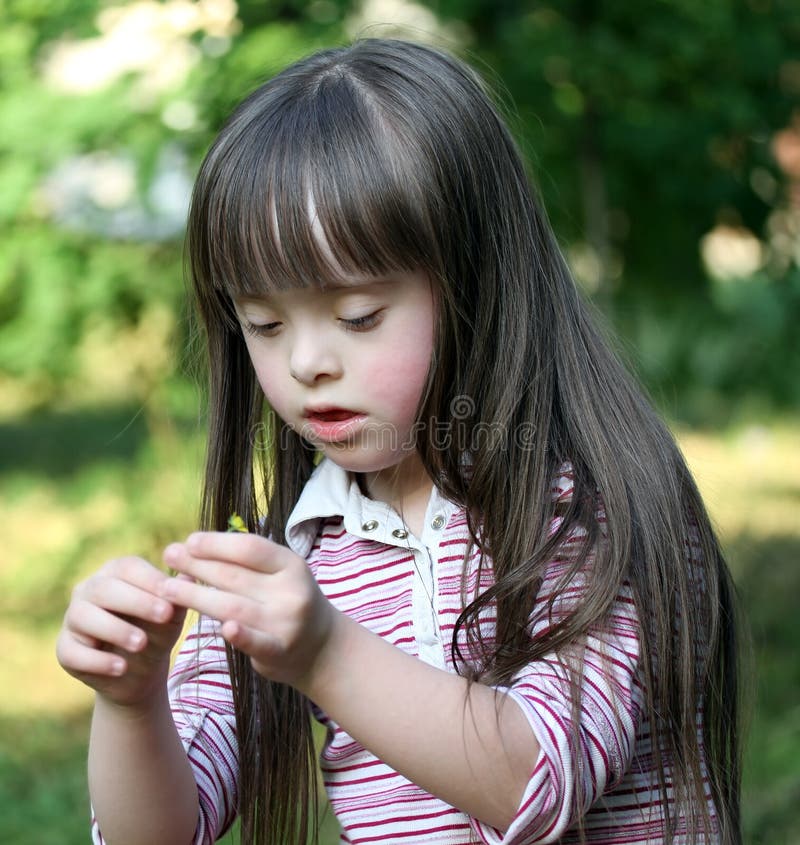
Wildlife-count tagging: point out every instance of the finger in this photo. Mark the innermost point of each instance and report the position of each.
(224, 575)
(209, 601)
(250, 550)
(255, 644)
(136, 571)
(93, 625)
(85, 663)
(125, 598)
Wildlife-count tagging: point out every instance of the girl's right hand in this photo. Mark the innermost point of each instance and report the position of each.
(118, 632)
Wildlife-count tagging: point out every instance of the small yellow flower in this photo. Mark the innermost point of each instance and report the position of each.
(236, 523)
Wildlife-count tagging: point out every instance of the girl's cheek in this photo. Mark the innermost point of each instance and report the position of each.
(275, 397)
(398, 383)
(274, 391)
(398, 375)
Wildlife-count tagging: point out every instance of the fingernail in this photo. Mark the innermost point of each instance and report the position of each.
(135, 640)
(117, 667)
(162, 611)
(172, 552)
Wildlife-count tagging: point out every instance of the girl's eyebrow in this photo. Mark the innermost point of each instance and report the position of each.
(356, 283)
(343, 285)
(250, 299)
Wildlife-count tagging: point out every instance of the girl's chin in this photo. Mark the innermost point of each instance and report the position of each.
(358, 459)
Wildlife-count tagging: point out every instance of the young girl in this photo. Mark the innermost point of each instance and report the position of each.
(475, 554)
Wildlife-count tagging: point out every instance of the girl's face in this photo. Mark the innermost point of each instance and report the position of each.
(345, 367)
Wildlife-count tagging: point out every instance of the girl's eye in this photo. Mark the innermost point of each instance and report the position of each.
(362, 324)
(261, 329)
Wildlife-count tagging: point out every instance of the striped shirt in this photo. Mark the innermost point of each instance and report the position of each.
(409, 590)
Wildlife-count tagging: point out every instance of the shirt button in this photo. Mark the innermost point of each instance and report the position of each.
(369, 526)
(400, 533)
(437, 522)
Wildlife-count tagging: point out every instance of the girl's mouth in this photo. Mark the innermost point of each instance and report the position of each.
(333, 415)
(331, 425)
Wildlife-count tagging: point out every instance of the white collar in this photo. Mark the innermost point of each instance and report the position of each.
(332, 491)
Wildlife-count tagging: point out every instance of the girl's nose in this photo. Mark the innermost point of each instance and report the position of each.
(314, 358)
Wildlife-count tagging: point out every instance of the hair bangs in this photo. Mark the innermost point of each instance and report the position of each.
(312, 191)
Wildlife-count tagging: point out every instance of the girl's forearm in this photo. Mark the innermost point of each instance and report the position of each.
(475, 752)
(141, 784)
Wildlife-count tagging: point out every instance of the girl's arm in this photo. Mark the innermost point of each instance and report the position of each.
(116, 638)
(475, 751)
(142, 786)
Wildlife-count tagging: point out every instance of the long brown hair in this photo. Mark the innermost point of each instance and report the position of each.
(410, 166)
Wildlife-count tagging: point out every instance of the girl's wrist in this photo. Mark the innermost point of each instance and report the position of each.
(139, 709)
(326, 665)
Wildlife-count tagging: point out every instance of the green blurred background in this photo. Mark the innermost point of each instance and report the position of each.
(665, 138)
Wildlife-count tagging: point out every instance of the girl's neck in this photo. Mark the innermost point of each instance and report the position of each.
(405, 487)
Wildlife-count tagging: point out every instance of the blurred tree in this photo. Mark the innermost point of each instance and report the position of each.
(105, 111)
(646, 123)
(646, 129)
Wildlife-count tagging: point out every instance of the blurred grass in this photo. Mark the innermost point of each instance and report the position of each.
(79, 487)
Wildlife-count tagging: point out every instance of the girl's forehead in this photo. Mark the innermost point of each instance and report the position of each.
(293, 249)
(339, 277)
(284, 219)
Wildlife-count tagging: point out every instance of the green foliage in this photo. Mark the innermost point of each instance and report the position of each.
(43, 793)
(646, 127)
(642, 128)
(99, 258)
(675, 102)
(733, 353)
(772, 782)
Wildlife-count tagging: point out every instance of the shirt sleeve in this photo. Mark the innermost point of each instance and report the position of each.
(583, 753)
(202, 707)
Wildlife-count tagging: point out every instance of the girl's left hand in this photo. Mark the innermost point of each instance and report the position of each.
(264, 595)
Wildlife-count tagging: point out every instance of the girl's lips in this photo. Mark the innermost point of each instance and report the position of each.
(331, 424)
(331, 415)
